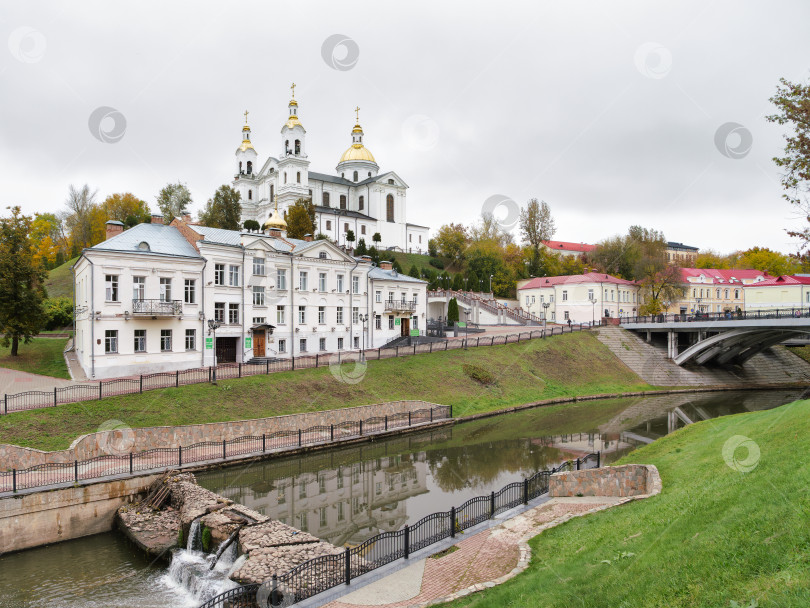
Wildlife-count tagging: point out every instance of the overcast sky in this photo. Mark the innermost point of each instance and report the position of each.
(608, 111)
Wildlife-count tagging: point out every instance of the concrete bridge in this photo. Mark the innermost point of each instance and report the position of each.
(720, 338)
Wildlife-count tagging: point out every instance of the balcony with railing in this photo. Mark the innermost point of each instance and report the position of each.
(400, 305)
(157, 308)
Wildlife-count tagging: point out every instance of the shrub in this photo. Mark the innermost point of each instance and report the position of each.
(251, 226)
(452, 311)
(206, 539)
(180, 538)
(436, 263)
(478, 373)
(58, 312)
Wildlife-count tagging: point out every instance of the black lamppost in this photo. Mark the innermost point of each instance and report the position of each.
(363, 320)
(593, 310)
(545, 314)
(213, 325)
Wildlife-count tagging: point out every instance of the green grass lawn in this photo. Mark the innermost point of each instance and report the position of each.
(60, 280)
(568, 365)
(406, 260)
(715, 536)
(40, 356)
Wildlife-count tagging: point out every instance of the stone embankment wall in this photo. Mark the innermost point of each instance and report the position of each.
(622, 481)
(125, 440)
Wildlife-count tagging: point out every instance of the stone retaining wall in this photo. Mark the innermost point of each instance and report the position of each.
(123, 439)
(622, 481)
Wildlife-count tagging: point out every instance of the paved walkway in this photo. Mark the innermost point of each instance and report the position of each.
(15, 381)
(484, 560)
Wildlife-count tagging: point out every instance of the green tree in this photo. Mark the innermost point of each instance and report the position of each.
(395, 266)
(762, 258)
(452, 239)
(473, 282)
(377, 238)
(350, 238)
(46, 232)
(58, 312)
(222, 211)
(452, 311)
(458, 282)
(300, 219)
(711, 259)
(77, 217)
(433, 249)
(252, 226)
(361, 248)
(414, 272)
(487, 228)
(22, 280)
(173, 200)
(660, 287)
(792, 101)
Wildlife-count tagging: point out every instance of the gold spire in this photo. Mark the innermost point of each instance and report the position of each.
(357, 115)
(292, 88)
(275, 221)
(246, 114)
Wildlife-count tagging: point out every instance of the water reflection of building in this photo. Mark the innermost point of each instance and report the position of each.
(345, 505)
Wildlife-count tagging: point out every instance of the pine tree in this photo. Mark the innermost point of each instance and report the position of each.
(452, 311)
(361, 248)
(414, 272)
(395, 266)
(458, 282)
(22, 280)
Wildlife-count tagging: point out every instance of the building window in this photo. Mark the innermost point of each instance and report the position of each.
(339, 317)
(190, 291)
(389, 207)
(355, 315)
(322, 280)
(302, 280)
(165, 339)
(191, 339)
(259, 320)
(138, 288)
(140, 341)
(111, 341)
(342, 201)
(329, 224)
(565, 296)
(165, 289)
(355, 284)
(258, 266)
(233, 276)
(321, 315)
(362, 229)
(736, 294)
(302, 345)
(378, 321)
(355, 176)
(298, 177)
(357, 341)
(302, 315)
(280, 315)
(361, 203)
(322, 256)
(258, 295)
(325, 199)
(233, 314)
(281, 279)
(219, 274)
(565, 315)
(322, 344)
(415, 322)
(340, 343)
(340, 283)
(341, 512)
(219, 312)
(390, 321)
(250, 192)
(378, 296)
(346, 227)
(282, 346)
(272, 188)
(111, 287)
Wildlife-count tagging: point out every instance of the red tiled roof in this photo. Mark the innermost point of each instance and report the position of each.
(591, 277)
(785, 279)
(566, 246)
(723, 275)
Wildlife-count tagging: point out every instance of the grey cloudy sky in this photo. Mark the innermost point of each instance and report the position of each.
(606, 110)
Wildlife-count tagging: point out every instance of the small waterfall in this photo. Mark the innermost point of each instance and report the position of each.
(228, 545)
(194, 542)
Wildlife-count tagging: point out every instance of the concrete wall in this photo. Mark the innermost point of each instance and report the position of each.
(32, 520)
(625, 480)
(124, 440)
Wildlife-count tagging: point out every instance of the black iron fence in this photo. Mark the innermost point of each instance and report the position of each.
(163, 459)
(740, 315)
(323, 573)
(29, 400)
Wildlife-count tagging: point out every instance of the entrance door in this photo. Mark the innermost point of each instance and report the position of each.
(226, 350)
(405, 324)
(258, 343)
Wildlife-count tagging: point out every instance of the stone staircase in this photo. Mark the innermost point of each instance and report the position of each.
(774, 366)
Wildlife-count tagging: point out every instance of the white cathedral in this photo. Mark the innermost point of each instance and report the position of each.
(357, 198)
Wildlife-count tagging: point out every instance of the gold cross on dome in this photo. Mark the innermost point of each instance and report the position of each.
(357, 114)
(246, 113)
(292, 88)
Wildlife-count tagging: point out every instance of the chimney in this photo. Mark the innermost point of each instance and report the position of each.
(187, 218)
(586, 270)
(386, 265)
(157, 219)
(114, 228)
(308, 238)
(274, 232)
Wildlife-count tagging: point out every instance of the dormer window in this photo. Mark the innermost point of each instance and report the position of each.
(143, 246)
(390, 181)
(322, 255)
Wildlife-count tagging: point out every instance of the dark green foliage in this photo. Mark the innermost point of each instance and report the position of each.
(222, 211)
(252, 226)
(395, 265)
(436, 263)
(478, 373)
(58, 312)
(458, 282)
(414, 272)
(433, 250)
(452, 311)
(361, 248)
(206, 539)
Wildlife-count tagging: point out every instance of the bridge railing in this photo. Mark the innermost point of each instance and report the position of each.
(702, 317)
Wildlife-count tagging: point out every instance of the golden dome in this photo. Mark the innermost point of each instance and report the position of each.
(246, 145)
(293, 121)
(245, 128)
(357, 152)
(293, 102)
(357, 129)
(275, 221)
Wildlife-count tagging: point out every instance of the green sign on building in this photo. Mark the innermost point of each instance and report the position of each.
(248, 342)
(396, 321)
(209, 343)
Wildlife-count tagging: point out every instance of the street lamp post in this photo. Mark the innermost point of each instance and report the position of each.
(545, 315)
(490, 282)
(213, 325)
(466, 325)
(593, 311)
(363, 320)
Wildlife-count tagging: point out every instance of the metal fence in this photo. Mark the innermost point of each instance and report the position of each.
(697, 317)
(162, 459)
(323, 573)
(29, 400)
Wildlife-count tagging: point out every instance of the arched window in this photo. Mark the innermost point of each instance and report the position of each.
(369, 173)
(736, 294)
(297, 147)
(343, 175)
(287, 146)
(389, 207)
(718, 294)
(726, 294)
(272, 192)
(342, 201)
(355, 176)
(249, 167)
(240, 166)
(325, 199)
(285, 177)
(250, 195)
(361, 202)
(298, 177)
(390, 181)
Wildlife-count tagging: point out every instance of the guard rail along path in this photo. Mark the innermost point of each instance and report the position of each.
(164, 459)
(322, 573)
(29, 400)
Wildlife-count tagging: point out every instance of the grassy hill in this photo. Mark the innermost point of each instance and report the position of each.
(568, 365)
(60, 280)
(406, 260)
(716, 535)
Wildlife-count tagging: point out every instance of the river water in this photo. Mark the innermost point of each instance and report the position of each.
(347, 495)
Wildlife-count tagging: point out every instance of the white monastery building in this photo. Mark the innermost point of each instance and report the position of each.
(357, 197)
(145, 297)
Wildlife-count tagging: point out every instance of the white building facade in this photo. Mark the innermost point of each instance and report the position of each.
(358, 197)
(145, 296)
